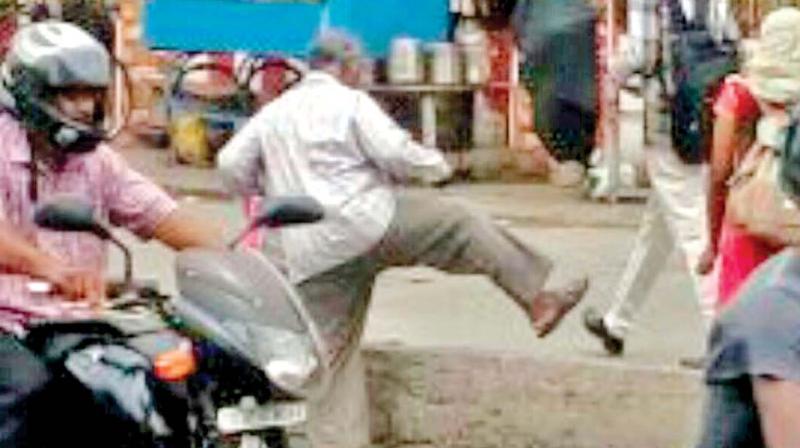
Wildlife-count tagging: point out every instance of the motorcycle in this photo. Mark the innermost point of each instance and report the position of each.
(228, 361)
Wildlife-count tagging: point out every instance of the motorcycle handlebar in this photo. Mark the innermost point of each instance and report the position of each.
(119, 292)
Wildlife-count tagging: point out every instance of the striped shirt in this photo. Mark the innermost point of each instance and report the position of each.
(328, 141)
(102, 178)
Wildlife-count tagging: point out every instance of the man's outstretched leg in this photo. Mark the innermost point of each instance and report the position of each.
(443, 233)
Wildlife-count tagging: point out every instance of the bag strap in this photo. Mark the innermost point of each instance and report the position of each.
(750, 162)
(747, 165)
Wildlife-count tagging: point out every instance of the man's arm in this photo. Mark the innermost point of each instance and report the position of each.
(778, 401)
(240, 161)
(391, 148)
(144, 208)
(19, 255)
(724, 147)
(184, 228)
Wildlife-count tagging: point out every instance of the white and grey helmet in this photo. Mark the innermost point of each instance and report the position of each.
(44, 57)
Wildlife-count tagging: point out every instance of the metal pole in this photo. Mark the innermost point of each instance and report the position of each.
(513, 81)
(610, 95)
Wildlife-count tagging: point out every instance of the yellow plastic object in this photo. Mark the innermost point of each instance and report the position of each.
(189, 140)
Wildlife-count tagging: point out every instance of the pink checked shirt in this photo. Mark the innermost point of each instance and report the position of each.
(119, 194)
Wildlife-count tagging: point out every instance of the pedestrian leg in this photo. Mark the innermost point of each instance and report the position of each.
(681, 189)
(446, 234)
(340, 418)
(650, 253)
(338, 300)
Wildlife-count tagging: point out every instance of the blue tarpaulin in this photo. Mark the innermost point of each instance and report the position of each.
(288, 26)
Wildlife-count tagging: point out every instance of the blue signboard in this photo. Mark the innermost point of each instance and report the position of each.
(288, 26)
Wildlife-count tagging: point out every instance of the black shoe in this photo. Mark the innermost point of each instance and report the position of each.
(593, 321)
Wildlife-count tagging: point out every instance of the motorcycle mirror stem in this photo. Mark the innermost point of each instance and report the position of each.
(128, 260)
(241, 235)
(283, 211)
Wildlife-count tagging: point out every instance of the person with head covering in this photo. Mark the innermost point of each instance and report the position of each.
(52, 144)
(753, 372)
(751, 108)
(325, 139)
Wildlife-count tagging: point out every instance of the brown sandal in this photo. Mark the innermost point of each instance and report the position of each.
(548, 308)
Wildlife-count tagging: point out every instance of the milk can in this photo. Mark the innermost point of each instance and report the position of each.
(405, 61)
(475, 47)
(444, 63)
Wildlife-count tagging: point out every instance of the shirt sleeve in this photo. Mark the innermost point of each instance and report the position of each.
(134, 201)
(240, 161)
(735, 98)
(759, 334)
(392, 149)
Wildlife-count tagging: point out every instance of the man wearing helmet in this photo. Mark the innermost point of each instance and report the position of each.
(52, 84)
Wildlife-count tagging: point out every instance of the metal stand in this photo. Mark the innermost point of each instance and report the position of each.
(610, 93)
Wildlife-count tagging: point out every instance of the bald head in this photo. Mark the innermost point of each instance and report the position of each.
(338, 53)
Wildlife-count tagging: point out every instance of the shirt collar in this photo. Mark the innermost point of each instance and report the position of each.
(320, 76)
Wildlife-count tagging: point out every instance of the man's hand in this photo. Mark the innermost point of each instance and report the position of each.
(706, 262)
(77, 284)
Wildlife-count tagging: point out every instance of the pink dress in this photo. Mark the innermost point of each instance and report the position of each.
(739, 253)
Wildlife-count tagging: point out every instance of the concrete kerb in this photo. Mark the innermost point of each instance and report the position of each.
(477, 399)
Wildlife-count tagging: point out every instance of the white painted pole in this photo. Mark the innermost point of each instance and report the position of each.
(428, 112)
(610, 95)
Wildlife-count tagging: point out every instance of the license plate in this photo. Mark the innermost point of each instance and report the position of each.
(232, 420)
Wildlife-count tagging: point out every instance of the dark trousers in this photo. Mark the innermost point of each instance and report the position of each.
(43, 407)
(730, 417)
(24, 383)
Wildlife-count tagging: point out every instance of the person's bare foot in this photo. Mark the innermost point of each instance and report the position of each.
(549, 307)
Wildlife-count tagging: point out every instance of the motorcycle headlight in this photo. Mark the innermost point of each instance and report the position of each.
(292, 374)
(287, 358)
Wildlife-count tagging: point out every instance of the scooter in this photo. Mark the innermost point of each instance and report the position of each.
(228, 361)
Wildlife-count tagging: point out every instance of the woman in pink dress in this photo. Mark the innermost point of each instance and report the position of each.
(770, 81)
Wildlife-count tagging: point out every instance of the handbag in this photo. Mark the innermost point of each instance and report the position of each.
(756, 201)
(699, 66)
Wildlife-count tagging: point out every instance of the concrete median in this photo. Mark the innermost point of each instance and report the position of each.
(466, 398)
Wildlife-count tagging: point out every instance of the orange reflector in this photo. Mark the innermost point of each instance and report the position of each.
(175, 365)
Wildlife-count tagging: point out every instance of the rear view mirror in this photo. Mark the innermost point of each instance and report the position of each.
(284, 211)
(68, 214)
(71, 214)
(289, 210)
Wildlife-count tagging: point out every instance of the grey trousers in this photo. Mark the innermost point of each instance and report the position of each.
(427, 229)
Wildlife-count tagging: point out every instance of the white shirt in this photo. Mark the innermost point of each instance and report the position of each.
(335, 144)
